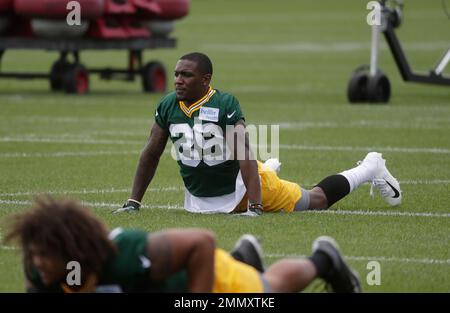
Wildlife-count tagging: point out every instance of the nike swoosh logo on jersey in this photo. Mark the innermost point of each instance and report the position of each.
(231, 115)
(396, 192)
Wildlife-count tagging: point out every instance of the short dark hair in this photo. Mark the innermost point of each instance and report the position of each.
(65, 229)
(203, 61)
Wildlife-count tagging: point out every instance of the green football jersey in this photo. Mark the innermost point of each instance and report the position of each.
(126, 271)
(198, 136)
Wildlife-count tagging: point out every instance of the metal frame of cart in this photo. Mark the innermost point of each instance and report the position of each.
(73, 77)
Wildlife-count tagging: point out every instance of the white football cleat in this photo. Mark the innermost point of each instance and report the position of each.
(387, 184)
(373, 162)
(274, 164)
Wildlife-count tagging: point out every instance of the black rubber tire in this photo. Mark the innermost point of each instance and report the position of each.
(154, 78)
(76, 79)
(5, 23)
(378, 88)
(57, 74)
(357, 87)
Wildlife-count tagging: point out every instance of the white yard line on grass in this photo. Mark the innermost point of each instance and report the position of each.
(431, 150)
(366, 149)
(175, 188)
(85, 119)
(3, 247)
(418, 123)
(110, 205)
(298, 47)
(89, 191)
(64, 140)
(340, 212)
(63, 154)
(358, 124)
(425, 182)
(371, 258)
(379, 213)
(7, 247)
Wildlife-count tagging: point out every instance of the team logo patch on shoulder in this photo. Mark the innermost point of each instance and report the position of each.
(209, 114)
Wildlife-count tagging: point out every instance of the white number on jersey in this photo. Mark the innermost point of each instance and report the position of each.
(202, 142)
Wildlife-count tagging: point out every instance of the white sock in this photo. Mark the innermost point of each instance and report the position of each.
(358, 175)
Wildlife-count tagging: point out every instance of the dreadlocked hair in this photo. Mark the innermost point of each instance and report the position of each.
(64, 229)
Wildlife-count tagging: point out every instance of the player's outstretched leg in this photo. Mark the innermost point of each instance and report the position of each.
(326, 262)
(335, 187)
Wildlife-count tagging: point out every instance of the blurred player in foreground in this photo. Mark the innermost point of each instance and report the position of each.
(54, 233)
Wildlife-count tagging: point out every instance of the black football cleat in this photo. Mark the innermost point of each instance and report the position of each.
(248, 250)
(340, 277)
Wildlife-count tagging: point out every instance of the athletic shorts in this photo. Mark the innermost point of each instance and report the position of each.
(232, 276)
(277, 194)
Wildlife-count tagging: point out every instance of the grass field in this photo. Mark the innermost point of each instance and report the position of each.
(288, 62)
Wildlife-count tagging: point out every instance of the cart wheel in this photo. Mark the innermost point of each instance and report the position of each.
(357, 87)
(5, 23)
(76, 79)
(154, 77)
(57, 74)
(378, 88)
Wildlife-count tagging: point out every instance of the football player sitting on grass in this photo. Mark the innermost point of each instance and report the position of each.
(220, 174)
(56, 233)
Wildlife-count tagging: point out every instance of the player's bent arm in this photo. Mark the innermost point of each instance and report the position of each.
(247, 163)
(190, 249)
(148, 161)
(250, 176)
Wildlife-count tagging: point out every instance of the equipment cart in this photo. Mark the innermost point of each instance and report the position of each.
(73, 77)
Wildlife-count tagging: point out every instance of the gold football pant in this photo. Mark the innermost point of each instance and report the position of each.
(231, 275)
(277, 194)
